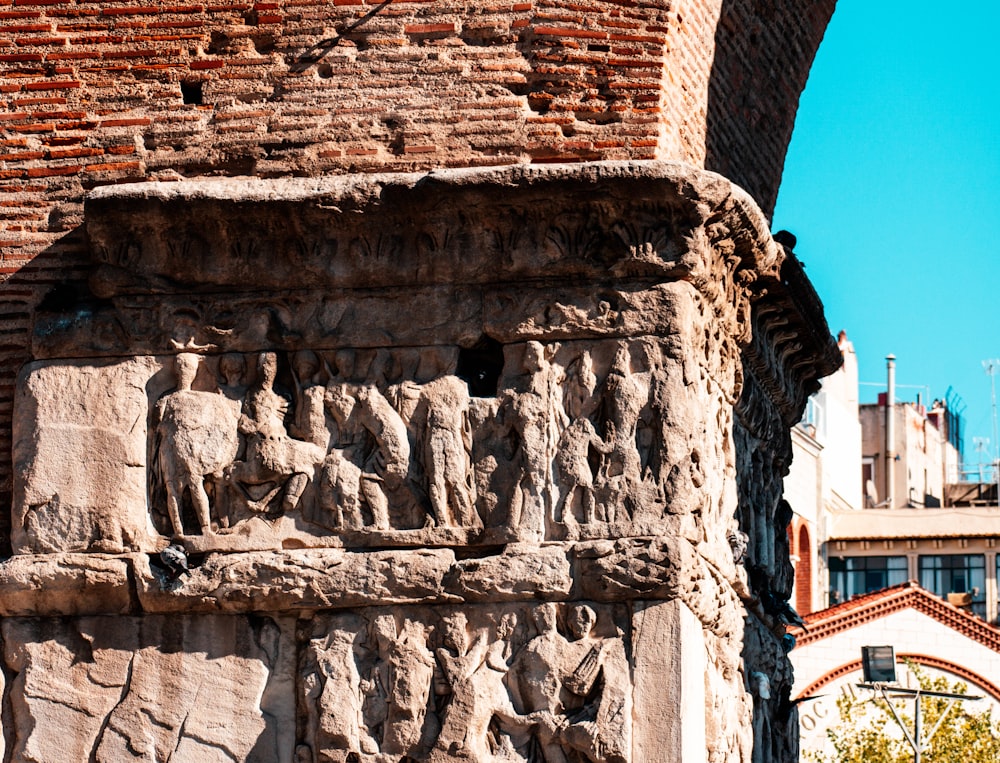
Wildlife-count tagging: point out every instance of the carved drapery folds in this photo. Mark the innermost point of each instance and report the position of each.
(422, 405)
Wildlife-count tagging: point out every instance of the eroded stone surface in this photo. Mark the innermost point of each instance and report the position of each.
(65, 584)
(152, 688)
(80, 445)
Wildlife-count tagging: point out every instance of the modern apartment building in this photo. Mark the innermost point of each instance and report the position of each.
(889, 547)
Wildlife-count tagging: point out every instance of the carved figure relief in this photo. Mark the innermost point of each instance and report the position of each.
(579, 446)
(398, 688)
(476, 714)
(525, 413)
(276, 467)
(622, 399)
(471, 685)
(573, 692)
(392, 441)
(443, 411)
(196, 434)
(370, 457)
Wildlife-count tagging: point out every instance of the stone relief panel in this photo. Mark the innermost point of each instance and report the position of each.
(515, 682)
(80, 456)
(150, 689)
(241, 451)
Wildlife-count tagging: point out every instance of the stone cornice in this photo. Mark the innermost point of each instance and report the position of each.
(305, 580)
(601, 220)
(792, 348)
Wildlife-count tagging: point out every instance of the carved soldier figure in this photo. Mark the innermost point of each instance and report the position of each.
(578, 439)
(526, 413)
(536, 683)
(197, 440)
(309, 423)
(447, 447)
(576, 477)
(331, 679)
(479, 706)
(398, 688)
(456, 662)
(623, 400)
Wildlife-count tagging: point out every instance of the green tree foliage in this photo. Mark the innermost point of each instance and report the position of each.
(868, 733)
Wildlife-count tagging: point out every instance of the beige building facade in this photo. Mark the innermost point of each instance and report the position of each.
(883, 555)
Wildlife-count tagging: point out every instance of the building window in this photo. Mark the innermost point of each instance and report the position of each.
(813, 419)
(868, 482)
(852, 576)
(956, 574)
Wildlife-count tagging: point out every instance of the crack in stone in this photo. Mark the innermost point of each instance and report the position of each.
(126, 687)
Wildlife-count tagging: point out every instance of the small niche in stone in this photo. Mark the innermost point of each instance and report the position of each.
(480, 366)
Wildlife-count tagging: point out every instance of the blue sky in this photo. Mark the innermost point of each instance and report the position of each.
(892, 186)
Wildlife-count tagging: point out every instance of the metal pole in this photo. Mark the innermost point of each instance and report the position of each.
(890, 432)
(916, 743)
(990, 366)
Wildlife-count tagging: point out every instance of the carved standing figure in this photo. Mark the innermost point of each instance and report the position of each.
(526, 414)
(398, 688)
(536, 687)
(443, 412)
(456, 662)
(197, 440)
(597, 718)
(623, 399)
(574, 693)
(309, 423)
(331, 682)
(576, 443)
(479, 709)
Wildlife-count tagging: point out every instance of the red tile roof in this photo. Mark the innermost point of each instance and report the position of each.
(872, 606)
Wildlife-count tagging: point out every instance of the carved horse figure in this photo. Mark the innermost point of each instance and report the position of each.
(196, 440)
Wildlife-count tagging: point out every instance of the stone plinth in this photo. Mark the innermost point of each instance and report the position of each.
(476, 464)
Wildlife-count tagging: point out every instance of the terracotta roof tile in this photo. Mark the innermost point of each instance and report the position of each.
(872, 606)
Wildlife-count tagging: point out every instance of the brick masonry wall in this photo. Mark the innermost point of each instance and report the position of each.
(110, 91)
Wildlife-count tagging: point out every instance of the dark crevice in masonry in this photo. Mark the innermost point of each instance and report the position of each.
(191, 92)
(126, 686)
(480, 366)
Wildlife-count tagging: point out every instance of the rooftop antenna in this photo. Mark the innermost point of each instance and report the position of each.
(991, 367)
(982, 446)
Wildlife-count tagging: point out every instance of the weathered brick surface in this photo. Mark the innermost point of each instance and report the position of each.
(110, 91)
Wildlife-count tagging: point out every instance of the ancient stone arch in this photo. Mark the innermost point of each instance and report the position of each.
(388, 380)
